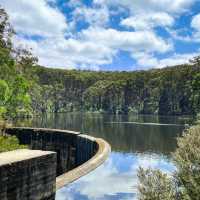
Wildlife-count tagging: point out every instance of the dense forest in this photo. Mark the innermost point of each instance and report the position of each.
(27, 88)
(169, 91)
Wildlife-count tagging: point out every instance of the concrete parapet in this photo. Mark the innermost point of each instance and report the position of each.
(24, 175)
(77, 155)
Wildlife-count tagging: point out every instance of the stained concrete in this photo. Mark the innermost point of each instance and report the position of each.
(77, 155)
(27, 175)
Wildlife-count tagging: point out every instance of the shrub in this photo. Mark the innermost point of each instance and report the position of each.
(154, 185)
(184, 184)
(8, 143)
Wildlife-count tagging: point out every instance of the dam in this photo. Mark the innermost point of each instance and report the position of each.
(55, 159)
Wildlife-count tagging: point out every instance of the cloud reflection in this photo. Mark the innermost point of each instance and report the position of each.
(115, 179)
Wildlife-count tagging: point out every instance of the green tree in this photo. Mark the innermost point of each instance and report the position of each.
(18, 103)
(14, 98)
(196, 93)
(14, 88)
(195, 61)
(4, 95)
(6, 30)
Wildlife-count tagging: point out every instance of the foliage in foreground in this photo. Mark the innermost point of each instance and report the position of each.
(154, 185)
(185, 182)
(8, 143)
(14, 87)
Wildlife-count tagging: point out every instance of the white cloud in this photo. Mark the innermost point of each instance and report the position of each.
(35, 17)
(74, 3)
(195, 24)
(49, 23)
(63, 46)
(180, 34)
(69, 53)
(148, 21)
(176, 59)
(127, 41)
(193, 36)
(146, 61)
(174, 7)
(93, 47)
(93, 16)
(186, 35)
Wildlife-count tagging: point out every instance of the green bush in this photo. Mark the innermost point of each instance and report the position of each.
(154, 185)
(184, 184)
(9, 143)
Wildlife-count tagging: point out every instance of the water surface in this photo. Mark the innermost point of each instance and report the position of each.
(136, 140)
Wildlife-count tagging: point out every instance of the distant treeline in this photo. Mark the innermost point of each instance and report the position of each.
(26, 88)
(168, 91)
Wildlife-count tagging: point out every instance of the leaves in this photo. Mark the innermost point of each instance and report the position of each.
(10, 143)
(154, 185)
(184, 184)
(4, 92)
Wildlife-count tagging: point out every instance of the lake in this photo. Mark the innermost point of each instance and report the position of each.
(136, 140)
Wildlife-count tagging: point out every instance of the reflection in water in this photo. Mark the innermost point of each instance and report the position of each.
(138, 140)
(116, 179)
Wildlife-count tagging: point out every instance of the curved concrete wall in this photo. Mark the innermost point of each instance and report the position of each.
(77, 154)
(103, 150)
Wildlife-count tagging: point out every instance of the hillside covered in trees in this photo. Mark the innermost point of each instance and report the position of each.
(27, 88)
(169, 91)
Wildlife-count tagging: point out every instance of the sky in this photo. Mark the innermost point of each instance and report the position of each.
(121, 35)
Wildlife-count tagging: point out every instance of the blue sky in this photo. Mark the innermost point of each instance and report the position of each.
(107, 34)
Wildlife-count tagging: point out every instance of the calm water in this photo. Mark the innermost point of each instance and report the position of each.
(136, 140)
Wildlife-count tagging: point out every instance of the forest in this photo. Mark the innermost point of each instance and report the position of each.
(26, 88)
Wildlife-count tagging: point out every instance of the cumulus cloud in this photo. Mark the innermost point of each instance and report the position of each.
(185, 35)
(74, 3)
(138, 6)
(195, 24)
(92, 16)
(35, 17)
(127, 41)
(69, 53)
(59, 40)
(146, 61)
(50, 24)
(148, 21)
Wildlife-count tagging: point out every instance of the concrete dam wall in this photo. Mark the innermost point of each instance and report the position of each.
(75, 155)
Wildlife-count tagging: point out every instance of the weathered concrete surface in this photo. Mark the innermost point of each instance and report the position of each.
(77, 154)
(62, 142)
(27, 175)
(101, 155)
